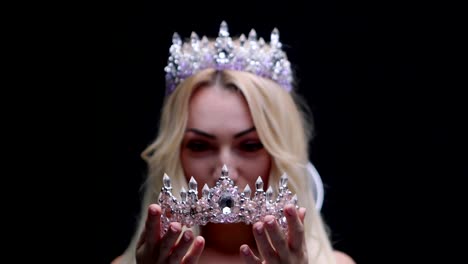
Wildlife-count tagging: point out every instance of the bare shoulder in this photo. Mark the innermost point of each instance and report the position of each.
(117, 260)
(343, 258)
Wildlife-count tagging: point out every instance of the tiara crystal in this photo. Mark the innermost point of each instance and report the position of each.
(244, 54)
(223, 203)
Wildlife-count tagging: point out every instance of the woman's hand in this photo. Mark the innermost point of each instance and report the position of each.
(152, 248)
(290, 248)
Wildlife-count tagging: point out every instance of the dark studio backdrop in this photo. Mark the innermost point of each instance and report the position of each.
(357, 65)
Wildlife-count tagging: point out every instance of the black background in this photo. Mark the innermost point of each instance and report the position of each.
(383, 137)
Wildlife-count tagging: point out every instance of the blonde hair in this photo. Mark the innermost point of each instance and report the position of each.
(281, 122)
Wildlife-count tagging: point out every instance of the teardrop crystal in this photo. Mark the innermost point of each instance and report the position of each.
(166, 181)
(224, 171)
(284, 180)
(193, 184)
(176, 39)
(259, 183)
(269, 193)
(205, 191)
(183, 194)
(223, 30)
(247, 191)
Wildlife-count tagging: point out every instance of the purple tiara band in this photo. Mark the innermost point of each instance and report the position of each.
(223, 203)
(244, 54)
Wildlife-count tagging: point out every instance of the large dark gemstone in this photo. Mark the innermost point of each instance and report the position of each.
(226, 200)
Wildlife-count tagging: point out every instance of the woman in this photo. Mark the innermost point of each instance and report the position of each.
(231, 103)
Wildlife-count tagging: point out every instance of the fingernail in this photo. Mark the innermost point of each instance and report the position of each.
(174, 229)
(153, 210)
(259, 229)
(245, 251)
(290, 210)
(199, 241)
(271, 221)
(187, 236)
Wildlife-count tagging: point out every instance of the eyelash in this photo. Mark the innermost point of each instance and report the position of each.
(197, 146)
(251, 146)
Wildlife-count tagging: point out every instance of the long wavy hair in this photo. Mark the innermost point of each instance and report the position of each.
(284, 126)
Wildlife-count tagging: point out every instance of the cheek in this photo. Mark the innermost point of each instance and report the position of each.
(196, 168)
(259, 166)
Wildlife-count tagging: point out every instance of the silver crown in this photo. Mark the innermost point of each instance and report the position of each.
(246, 54)
(223, 203)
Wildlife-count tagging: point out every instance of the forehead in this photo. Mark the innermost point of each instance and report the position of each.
(216, 108)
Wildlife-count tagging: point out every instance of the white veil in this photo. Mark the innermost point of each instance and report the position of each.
(316, 185)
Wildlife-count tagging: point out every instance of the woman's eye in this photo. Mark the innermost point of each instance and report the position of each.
(198, 146)
(251, 146)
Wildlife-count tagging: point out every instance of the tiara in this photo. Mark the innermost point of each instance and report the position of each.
(223, 203)
(245, 54)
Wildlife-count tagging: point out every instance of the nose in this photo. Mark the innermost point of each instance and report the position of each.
(226, 158)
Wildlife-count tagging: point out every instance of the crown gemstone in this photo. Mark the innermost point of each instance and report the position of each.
(224, 172)
(226, 202)
(205, 191)
(247, 191)
(283, 180)
(167, 181)
(192, 184)
(259, 184)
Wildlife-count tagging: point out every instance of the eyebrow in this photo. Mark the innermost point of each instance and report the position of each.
(204, 134)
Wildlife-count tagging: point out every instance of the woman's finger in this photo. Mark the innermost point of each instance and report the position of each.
(302, 213)
(248, 256)
(169, 239)
(295, 228)
(263, 245)
(149, 236)
(276, 236)
(195, 252)
(181, 248)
